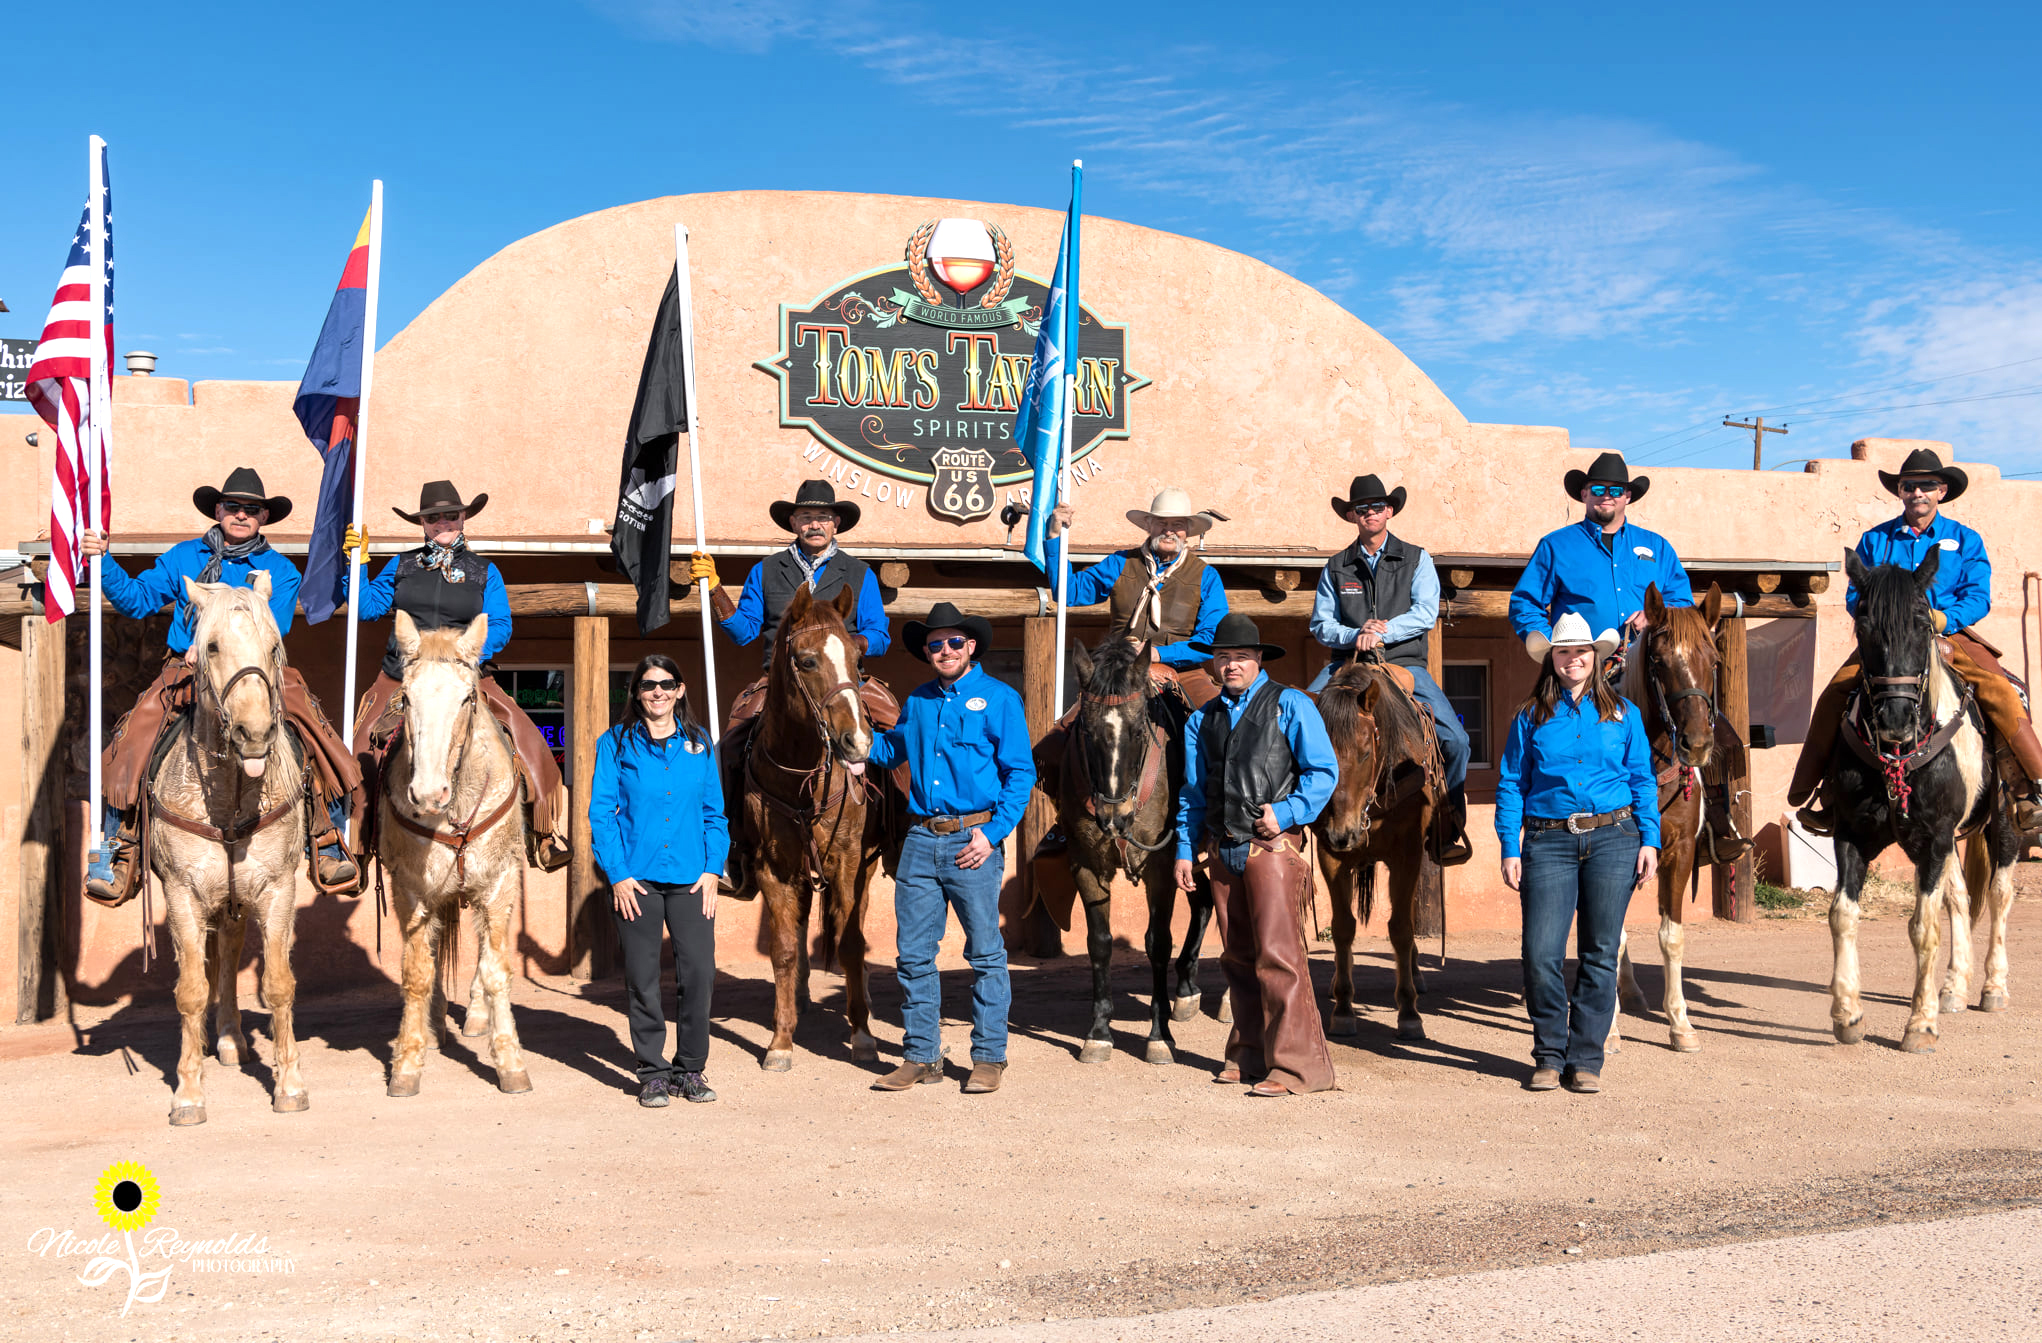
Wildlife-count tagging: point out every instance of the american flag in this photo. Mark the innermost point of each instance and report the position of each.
(60, 387)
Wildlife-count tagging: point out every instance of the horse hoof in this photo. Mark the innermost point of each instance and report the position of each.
(1992, 1002)
(228, 1053)
(1410, 1028)
(1159, 1052)
(1685, 1042)
(290, 1102)
(514, 1083)
(1918, 1042)
(402, 1085)
(475, 1025)
(1226, 1012)
(1850, 1032)
(864, 1049)
(1613, 1045)
(1096, 1051)
(1950, 1002)
(184, 1116)
(778, 1061)
(1343, 1023)
(1184, 1008)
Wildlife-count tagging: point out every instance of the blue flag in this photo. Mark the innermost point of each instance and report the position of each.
(328, 403)
(1039, 426)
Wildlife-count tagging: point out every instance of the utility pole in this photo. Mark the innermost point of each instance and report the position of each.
(1759, 429)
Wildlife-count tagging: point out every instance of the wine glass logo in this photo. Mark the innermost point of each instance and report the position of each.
(961, 254)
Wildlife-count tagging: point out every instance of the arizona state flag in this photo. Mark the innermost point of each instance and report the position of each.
(642, 539)
(329, 399)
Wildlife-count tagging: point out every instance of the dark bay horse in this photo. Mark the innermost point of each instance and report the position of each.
(1391, 781)
(1912, 765)
(810, 818)
(1117, 801)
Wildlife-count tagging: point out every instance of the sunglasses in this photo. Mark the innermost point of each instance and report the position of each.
(665, 685)
(1920, 486)
(1609, 491)
(454, 515)
(954, 643)
(234, 510)
(1379, 506)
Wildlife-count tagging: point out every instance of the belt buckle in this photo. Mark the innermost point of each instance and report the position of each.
(1574, 829)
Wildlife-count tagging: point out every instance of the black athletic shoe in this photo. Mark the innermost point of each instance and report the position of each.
(693, 1088)
(655, 1093)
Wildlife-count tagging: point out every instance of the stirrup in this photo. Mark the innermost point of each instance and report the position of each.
(124, 885)
(1815, 821)
(2027, 814)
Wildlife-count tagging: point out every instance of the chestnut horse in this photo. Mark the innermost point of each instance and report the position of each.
(1391, 781)
(811, 815)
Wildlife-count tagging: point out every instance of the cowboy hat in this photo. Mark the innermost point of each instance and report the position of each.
(1367, 490)
(1171, 502)
(944, 616)
(1924, 462)
(1569, 631)
(814, 494)
(1239, 631)
(244, 486)
(1608, 469)
(440, 496)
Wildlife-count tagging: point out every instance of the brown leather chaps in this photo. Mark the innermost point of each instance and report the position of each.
(1276, 1010)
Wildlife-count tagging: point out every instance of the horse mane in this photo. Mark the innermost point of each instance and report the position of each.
(218, 604)
(1398, 729)
(1890, 603)
(439, 645)
(1120, 666)
(1693, 643)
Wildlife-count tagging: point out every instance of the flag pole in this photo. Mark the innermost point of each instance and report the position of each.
(1063, 474)
(361, 458)
(99, 451)
(712, 708)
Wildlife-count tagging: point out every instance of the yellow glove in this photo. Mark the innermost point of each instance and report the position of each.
(1941, 621)
(357, 544)
(702, 569)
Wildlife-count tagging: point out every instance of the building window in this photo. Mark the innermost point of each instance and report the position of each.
(542, 693)
(1467, 690)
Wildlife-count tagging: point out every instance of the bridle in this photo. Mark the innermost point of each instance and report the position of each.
(812, 786)
(1925, 741)
(1142, 778)
(1664, 703)
(460, 834)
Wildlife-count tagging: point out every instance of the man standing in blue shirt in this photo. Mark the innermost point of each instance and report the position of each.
(1258, 769)
(964, 736)
(1381, 596)
(1959, 598)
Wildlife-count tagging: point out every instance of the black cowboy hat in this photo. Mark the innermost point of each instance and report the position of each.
(1365, 490)
(244, 486)
(814, 494)
(1924, 462)
(1609, 469)
(1238, 631)
(944, 616)
(440, 496)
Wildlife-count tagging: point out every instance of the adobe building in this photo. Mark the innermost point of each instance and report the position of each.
(825, 348)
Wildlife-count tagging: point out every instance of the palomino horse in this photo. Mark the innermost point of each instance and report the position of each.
(1912, 764)
(1117, 801)
(1391, 781)
(226, 833)
(812, 819)
(452, 836)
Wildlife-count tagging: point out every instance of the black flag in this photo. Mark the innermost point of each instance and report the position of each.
(643, 535)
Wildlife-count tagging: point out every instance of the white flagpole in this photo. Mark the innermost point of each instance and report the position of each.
(99, 451)
(713, 707)
(361, 455)
(1063, 553)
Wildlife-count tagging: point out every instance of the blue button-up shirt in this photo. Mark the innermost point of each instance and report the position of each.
(1963, 587)
(967, 745)
(655, 809)
(1578, 568)
(163, 582)
(379, 594)
(1575, 763)
(1095, 584)
(868, 618)
(1422, 616)
(1298, 719)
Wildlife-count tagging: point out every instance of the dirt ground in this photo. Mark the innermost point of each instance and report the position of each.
(805, 1204)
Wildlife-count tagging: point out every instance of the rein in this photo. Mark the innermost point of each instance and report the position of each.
(1895, 766)
(812, 786)
(1146, 778)
(1674, 767)
(459, 835)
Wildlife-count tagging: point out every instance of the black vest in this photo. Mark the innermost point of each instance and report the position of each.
(1247, 765)
(1383, 594)
(431, 601)
(780, 577)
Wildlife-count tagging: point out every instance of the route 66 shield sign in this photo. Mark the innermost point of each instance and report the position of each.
(962, 486)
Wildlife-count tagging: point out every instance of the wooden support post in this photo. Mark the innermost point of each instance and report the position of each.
(1734, 891)
(1038, 678)
(1429, 918)
(894, 574)
(40, 990)
(589, 937)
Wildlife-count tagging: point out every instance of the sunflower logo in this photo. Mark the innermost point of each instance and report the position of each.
(126, 1196)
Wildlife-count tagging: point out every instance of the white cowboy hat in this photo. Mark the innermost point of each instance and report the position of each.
(1171, 502)
(1569, 631)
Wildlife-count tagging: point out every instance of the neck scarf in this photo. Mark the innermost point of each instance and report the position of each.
(1159, 573)
(441, 557)
(223, 550)
(812, 570)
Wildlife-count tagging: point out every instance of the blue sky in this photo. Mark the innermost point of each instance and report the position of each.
(1627, 222)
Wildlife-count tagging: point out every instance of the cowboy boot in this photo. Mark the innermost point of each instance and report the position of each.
(1716, 816)
(121, 886)
(1451, 828)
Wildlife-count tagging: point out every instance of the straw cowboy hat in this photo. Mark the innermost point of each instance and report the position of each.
(243, 486)
(814, 494)
(1239, 631)
(1171, 502)
(1609, 469)
(1924, 462)
(440, 496)
(1367, 490)
(944, 616)
(1569, 631)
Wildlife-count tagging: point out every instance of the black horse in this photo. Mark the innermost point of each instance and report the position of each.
(1913, 764)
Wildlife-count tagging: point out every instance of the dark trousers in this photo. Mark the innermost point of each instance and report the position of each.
(679, 909)
(1268, 967)
(1589, 876)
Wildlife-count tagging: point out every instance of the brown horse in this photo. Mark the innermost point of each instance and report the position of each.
(1391, 781)
(811, 815)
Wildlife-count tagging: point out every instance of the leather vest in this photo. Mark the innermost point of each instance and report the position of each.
(780, 577)
(1128, 604)
(1384, 594)
(1247, 765)
(431, 601)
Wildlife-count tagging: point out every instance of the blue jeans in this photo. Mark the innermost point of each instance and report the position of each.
(929, 885)
(110, 826)
(1566, 875)
(1453, 737)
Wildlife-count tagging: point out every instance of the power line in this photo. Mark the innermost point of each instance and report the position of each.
(2010, 394)
(1896, 387)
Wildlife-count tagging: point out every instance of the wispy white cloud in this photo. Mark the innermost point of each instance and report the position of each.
(207, 349)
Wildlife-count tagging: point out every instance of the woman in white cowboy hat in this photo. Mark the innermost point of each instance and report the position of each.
(1577, 811)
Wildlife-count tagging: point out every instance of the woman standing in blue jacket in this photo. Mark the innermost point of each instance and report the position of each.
(656, 819)
(1577, 810)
